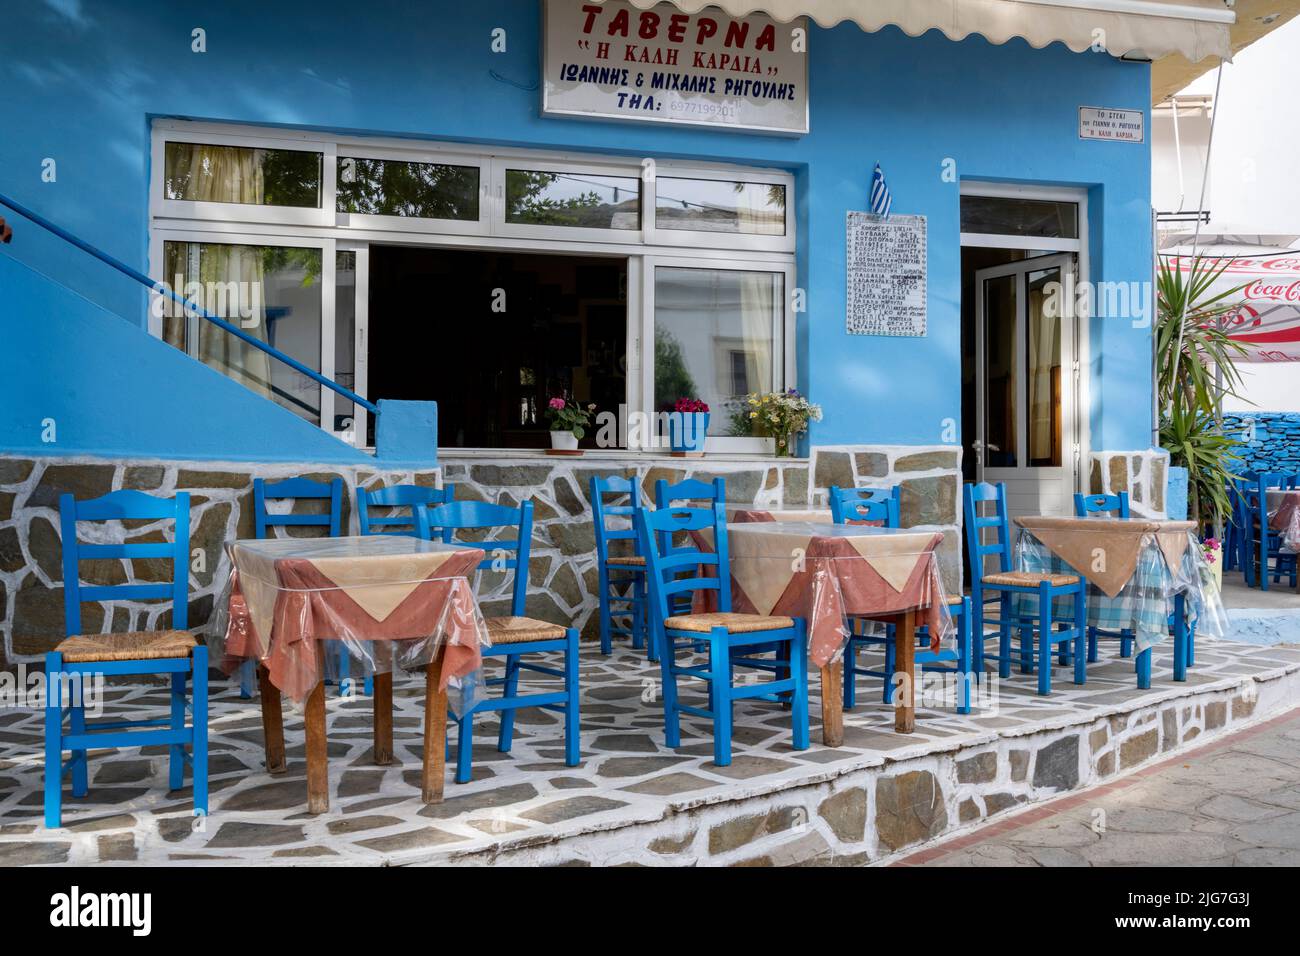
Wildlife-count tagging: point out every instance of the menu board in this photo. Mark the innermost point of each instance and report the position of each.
(886, 275)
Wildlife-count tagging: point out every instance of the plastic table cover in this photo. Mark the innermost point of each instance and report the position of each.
(391, 599)
(1134, 569)
(1283, 509)
(824, 573)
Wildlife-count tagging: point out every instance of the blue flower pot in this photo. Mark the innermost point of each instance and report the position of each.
(687, 430)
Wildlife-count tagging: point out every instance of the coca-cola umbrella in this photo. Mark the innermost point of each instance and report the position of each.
(1267, 318)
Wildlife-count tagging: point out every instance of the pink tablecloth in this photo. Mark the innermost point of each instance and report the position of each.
(824, 572)
(286, 595)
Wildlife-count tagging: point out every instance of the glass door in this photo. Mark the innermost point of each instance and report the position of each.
(1028, 382)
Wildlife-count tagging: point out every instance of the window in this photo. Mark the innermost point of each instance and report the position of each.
(273, 293)
(596, 278)
(715, 205)
(714, 332)
(1012, 216)
(205, 172)
(575, 200)
(379, 187)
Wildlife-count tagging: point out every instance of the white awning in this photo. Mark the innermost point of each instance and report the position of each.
(1137, 28)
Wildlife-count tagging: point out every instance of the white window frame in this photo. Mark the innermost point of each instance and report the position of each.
(159, 236)
(329, 230)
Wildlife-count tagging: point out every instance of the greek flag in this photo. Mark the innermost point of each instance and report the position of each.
(881, 199)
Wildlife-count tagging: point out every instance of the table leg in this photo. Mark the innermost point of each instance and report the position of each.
(382, 697)
(318, 795)
(905, 665)
(435, 733)
(833, 704)
(272, 721)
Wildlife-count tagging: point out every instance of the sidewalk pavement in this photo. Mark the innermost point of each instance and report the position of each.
(1233, 802)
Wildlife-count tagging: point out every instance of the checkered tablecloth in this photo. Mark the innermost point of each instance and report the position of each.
(1142, 606)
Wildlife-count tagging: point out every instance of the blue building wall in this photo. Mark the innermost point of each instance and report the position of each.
(81, 84)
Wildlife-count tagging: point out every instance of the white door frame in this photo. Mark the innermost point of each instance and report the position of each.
(1082, 318)
(1070, 464)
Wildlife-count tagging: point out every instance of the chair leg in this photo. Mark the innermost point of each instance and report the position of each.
(1143, 668)
(1080, 620)
(1180, 638)
(647, 618)
(1004, 635)
(1125, 643)
(247, 679)
(572, 721)
(53, 742)
(80, 758)
(799, 671)
(965, 674)
(720, 672)
(668, 678)
(606, 642)
(891, 661)
(199, 722)
(506, 735)
(849, 691)
(176, 755)
(634, 592)
(345, 670)
(1044, 639)
(977, 629)
(465, 748)
(1092, 645)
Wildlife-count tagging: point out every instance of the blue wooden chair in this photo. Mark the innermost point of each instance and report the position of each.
(851, 504)
(1005, 582)
(1116, 506)
(689, 492)
(731, 638)
(394, 499)
(263, 521)
(80, 658)
(625, 573)
(839, 498)
(514, 636)
(1262, 553)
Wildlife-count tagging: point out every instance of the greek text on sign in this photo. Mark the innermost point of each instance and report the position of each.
(613, 61)
(886, 261)
(1121, 126)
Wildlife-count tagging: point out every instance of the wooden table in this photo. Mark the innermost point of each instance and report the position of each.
(823, 573)
(396, 599)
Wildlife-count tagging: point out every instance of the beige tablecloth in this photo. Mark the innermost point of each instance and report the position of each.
(1106, 550)
(287, 594)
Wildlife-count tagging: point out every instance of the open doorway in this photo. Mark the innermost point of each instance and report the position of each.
(491, 336)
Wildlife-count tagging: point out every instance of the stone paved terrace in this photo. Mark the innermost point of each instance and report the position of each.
(632, 800)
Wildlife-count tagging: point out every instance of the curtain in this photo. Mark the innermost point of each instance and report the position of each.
(205, 173)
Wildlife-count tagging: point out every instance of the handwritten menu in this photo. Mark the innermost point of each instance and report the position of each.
(886, 275)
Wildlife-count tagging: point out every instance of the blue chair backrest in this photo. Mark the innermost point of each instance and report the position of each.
(398, 496)
(977, 523)
(849, 504)
(1085, 505)
(504, 554)
(297, 488)
(684, 492)
(125, 505)
(613, 485)
(664, 565)
(843, 500)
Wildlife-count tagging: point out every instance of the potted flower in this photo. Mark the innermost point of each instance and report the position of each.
(688, 425)
(784, 416)
(1212, 551)
(569, 422)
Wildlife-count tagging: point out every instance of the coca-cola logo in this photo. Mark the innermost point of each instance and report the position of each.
(1280, 292)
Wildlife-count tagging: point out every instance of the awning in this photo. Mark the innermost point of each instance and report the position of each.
(1138, 28)
(1267, 318)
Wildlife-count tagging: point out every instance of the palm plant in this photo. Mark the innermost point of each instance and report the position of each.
(1195, 368)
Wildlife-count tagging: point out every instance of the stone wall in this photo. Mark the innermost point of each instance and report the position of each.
(1272, 445)
(562, 572)
(894, 805)
(221, 509)
(1143, 474)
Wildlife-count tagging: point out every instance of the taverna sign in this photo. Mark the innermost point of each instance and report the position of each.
(613, 61)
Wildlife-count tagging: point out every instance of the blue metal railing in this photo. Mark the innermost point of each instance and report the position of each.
(190, 306)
